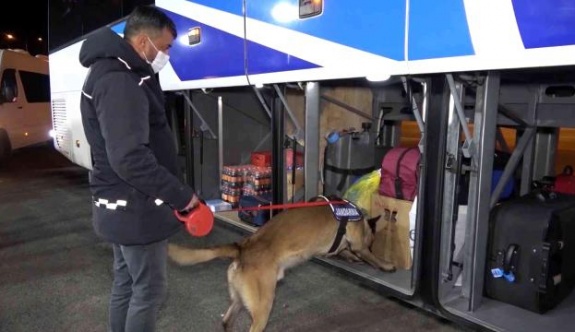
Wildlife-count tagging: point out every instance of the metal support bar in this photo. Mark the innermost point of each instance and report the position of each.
(512, 164)
(289, 111)
(469, 148)
(278, 155)
(414, 107)
(529, 154)
(391, 134)
(220, 135)
(188, 130)
(346, 107)
(262, 101)
(424, 110)
(511, 115)
(479, 191)
(311, 152)
(450, 206)
(175, 125)
(203, 126)
(546, 141)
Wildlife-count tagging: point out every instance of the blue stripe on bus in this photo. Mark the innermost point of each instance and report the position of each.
(438, 29)
(544, 23)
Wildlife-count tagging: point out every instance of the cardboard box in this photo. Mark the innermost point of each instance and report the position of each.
(264, 158)
(218, 205)
(261, 158)
(289, 158)
(290, 183)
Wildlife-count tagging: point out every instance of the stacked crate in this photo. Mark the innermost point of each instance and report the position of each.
(255, 179)
(232, 183)
(249, 180)
(258, 181)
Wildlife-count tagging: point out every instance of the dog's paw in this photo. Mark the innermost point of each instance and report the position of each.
(388, 267)
(353, 260)
(349, 257)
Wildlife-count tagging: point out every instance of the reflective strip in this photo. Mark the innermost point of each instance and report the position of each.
(125, 63)
(87, 95)
(101, 202)
(143, 79)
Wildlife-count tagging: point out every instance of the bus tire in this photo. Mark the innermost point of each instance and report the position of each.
(5, 147)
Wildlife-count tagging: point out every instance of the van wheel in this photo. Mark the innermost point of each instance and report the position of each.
(5, 147)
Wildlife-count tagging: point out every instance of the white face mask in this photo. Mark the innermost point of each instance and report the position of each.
(160, 60)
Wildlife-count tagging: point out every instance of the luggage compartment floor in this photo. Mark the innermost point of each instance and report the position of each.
(500, 316)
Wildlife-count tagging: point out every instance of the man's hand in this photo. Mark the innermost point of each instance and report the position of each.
(192, 204)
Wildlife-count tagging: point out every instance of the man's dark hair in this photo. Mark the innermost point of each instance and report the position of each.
(149, 19)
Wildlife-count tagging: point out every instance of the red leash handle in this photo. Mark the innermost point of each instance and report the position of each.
(199, 221)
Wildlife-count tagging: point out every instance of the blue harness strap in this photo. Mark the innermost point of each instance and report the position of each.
(343, 213)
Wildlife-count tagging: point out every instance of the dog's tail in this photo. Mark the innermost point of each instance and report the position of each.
(188, 256)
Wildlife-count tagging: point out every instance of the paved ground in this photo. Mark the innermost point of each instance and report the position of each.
(55, 274)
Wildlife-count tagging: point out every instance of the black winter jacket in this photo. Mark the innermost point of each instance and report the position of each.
(135, 180)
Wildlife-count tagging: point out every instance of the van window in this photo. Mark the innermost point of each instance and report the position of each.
(8, 86)
(36, 86)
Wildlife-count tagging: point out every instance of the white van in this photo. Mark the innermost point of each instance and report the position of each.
(25, 117)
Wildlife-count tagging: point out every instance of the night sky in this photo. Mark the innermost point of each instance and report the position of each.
(27, 23)
(58, 22)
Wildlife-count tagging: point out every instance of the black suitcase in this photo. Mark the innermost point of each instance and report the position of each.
(531, 251)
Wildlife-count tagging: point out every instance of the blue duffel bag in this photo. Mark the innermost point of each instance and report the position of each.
(254, 217)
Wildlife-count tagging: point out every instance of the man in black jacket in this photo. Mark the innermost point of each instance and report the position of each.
(135, 181)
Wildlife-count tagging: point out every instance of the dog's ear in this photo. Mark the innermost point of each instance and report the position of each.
(372, 222)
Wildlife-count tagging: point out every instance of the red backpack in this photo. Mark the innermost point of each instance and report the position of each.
(565, 182)
(400, 173)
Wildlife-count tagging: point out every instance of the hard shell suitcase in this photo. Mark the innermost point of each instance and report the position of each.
(346, 159)
(531, 251)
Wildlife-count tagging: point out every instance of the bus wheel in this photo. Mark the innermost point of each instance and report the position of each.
(5, 147)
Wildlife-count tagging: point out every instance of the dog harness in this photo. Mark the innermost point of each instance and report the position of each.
(343, 213)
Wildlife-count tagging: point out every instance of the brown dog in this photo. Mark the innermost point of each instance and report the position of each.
(289, 238)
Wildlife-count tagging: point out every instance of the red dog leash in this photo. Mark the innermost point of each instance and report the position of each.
(285, 206)
(200, 221)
